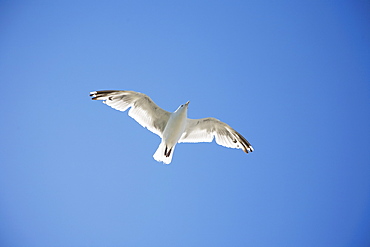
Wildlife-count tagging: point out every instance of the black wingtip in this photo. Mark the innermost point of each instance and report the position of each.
(247, 147)
(93, 94)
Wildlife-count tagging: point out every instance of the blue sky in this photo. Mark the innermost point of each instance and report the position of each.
(291, 76)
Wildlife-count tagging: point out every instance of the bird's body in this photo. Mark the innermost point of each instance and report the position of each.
(173, 127)
(172, 132)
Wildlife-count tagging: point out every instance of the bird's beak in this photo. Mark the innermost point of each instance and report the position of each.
(187, 103)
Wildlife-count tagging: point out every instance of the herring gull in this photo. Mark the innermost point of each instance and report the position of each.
(174, 127)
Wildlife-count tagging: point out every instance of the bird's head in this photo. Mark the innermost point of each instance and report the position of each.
(183, 107)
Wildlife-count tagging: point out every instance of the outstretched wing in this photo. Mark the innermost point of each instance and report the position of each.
(205, 129)
(143, 109)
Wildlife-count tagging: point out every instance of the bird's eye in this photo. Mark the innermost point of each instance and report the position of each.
(182, 105)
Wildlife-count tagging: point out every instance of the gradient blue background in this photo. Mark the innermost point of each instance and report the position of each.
(292, 76)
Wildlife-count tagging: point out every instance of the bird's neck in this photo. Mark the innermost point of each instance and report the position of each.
(181, 112)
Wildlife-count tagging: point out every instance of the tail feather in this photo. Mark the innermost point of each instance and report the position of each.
(164, 153)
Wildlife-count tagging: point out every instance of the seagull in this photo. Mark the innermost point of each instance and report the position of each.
(174, 127)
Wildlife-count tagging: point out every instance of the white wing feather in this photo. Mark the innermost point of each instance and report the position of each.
(205, 129)
(143, 109)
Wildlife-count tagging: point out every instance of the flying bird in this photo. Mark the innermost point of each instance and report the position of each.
(173, 127)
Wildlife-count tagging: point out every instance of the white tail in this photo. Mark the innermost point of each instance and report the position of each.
(163, 153)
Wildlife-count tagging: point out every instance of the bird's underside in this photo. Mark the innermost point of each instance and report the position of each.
(173, 127)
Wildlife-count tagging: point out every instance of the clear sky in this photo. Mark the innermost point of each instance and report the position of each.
(293, 77)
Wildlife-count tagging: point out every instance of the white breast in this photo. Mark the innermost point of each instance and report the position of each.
(175, 127)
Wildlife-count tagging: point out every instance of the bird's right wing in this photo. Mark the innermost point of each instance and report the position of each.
(205, 129)
(143, 109)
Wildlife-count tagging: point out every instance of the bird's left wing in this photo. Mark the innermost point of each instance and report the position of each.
(205, 129)
(143, 109)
